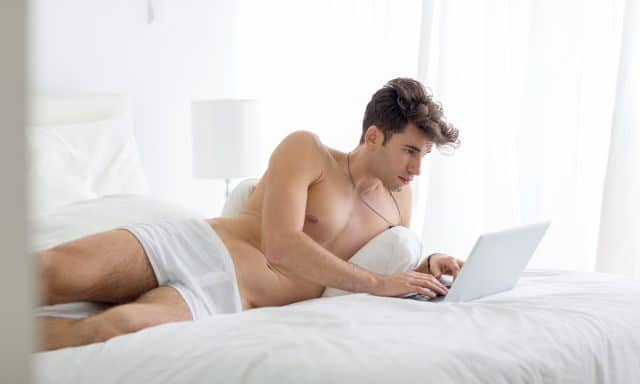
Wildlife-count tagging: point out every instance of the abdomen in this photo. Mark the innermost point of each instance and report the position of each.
(259, 284)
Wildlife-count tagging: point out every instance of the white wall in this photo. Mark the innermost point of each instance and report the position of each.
(16, 292)
(99, 46)
(313, 65)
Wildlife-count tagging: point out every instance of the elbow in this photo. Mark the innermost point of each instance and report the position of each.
(272, 256)
(272, 251)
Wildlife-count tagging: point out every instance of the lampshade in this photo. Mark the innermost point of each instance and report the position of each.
(226, 138)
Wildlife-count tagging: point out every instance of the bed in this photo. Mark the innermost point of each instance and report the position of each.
(554, 327)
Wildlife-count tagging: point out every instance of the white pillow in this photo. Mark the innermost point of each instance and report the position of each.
(110, 146)
(101, 214)
(58, 174)
(238, 197)
(395, 250)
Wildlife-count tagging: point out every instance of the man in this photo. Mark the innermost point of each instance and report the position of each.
(312, 210)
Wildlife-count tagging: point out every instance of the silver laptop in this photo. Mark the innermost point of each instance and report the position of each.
(494, 265)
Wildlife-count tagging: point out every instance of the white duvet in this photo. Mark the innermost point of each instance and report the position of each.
(555, 327)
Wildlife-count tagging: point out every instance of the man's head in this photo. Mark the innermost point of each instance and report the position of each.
(401, 124)
(402, 101)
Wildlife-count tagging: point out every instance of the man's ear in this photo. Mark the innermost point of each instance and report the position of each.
(373, 136)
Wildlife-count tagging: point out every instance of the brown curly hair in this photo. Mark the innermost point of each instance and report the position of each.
(404, 100)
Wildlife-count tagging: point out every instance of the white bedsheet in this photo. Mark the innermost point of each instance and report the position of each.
(555, 327)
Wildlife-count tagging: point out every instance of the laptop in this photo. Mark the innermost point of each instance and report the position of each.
(494, 265)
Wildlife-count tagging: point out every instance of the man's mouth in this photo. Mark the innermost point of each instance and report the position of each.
(405, 180)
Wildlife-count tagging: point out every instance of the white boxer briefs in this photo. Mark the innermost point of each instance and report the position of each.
(189, 256)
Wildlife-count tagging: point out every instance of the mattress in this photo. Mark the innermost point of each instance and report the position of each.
(554, 327)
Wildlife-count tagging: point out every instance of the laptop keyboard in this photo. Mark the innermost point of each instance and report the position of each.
(421, 297)
(446, 280)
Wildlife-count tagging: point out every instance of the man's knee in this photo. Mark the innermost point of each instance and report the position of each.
(45, 267)
(115, 322)
(58, 281)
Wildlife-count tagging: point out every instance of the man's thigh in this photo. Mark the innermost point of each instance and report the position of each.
(107, 267)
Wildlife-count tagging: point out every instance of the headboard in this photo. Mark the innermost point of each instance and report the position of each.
(55, 110)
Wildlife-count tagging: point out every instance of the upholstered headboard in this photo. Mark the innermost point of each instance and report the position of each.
(55, 110)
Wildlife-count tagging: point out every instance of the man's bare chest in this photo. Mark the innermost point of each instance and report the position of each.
(338, 219)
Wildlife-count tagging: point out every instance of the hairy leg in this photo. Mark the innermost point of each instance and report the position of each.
(109, 267)
(158, 306)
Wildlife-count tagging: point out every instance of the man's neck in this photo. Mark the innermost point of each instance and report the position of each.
(362, 177)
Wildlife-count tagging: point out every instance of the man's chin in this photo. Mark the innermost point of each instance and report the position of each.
(397, 188)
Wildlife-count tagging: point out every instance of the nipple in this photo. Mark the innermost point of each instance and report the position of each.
(311, 218)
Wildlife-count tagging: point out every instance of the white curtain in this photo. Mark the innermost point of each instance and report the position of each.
(530, 83)
(619, 246)
(315, 64)
(532, 86)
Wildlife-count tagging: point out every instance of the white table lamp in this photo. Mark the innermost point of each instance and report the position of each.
(226, 139)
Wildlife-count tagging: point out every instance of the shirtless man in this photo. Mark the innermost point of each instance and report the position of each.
(312, 210)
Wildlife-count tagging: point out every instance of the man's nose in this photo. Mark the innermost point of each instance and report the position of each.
(414, 167)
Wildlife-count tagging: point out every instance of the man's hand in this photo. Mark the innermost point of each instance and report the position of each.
(440, 264)
(403, 283)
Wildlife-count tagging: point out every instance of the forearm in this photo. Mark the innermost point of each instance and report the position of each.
(301, 256)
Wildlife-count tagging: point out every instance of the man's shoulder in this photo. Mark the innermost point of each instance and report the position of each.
(304, 142)
(299, 155)
(304, 138)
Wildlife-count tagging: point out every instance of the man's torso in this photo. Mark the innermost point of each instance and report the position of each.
(336, 218)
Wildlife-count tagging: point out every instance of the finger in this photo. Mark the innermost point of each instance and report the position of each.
(460, 264)
(439, 284)
(425, 291)
(436, 270)
(424, 278)
(420, 274)
(433, 285)
(455, 271)
(449, 266)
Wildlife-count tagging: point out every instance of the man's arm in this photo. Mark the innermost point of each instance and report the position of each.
(297, 163)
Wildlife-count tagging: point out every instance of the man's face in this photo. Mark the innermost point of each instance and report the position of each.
(400, 159)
